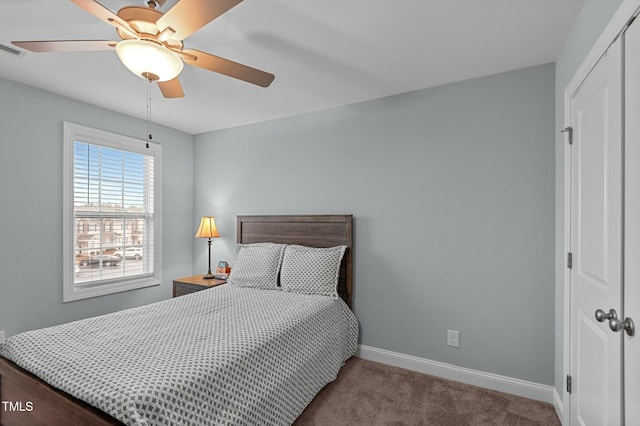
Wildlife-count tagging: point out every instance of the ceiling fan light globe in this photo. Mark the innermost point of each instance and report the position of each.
(143, 57)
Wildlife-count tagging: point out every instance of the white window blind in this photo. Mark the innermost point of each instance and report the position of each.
(114, 214)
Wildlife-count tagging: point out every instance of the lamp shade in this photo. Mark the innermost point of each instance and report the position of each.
(207, 228)
(146, 57)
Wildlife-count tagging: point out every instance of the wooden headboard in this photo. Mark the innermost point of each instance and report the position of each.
(306, 230)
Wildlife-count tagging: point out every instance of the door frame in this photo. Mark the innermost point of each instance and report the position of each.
(627, 10)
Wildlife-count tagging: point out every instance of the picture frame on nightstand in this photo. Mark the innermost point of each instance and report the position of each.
(222, 271)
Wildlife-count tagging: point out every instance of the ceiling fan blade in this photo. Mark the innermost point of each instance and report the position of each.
(66, 45)
(188, 16)
(228, 68)
(105, 15)
(171, 88)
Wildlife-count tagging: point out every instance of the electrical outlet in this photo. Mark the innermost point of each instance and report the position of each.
(453, 338)
(1, 336)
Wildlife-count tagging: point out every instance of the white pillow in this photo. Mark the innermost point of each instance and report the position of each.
(257, 265)
(311, 270)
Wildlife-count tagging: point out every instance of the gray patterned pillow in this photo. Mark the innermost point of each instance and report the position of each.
(311, 270)
(257, 265)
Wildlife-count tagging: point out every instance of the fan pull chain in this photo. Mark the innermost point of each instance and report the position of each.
(149, 109)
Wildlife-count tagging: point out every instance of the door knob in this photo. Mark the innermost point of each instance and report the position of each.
(601, 316)
(614, 323)
(629, 327)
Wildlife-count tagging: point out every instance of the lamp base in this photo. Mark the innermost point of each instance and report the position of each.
(208, 276)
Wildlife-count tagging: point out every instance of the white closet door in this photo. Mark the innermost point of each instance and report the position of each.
(632, 223)
(596, 243)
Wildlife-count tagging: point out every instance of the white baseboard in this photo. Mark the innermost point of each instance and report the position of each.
(504, 384)
(558, 405)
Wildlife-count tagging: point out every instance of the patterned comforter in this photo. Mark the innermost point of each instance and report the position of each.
(227, 355)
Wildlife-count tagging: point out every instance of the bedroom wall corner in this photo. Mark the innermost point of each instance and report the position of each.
(31, 129)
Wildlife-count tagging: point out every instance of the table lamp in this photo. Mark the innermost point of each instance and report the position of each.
(208, 230)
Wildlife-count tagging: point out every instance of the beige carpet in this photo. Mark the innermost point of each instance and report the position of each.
(369, 393)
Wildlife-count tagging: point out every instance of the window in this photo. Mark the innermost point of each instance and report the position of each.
(112, 199)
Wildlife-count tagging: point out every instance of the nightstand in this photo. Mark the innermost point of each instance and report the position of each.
(182, 286)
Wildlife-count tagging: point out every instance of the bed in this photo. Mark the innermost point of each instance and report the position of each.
(253, 390)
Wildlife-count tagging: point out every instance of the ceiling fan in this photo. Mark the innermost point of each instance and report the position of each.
(151, 45)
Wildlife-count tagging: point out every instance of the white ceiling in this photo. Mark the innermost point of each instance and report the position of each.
(324, 53)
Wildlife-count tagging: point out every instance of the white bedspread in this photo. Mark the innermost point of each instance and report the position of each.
(227, 355)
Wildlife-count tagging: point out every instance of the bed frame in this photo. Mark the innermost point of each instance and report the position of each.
(26, 399)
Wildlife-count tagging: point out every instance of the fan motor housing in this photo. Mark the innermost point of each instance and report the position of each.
(143, 20)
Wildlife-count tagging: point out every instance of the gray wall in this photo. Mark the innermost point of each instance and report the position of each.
(452, 189)
(593, 18)
(31, 207)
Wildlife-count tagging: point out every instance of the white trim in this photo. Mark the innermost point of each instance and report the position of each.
(492, 381)
(625, 12)
(566, 287)
(558, 405)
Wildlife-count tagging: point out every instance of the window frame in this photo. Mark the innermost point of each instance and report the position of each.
(75, 132)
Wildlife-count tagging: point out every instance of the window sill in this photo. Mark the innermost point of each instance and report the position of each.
(79, 293)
